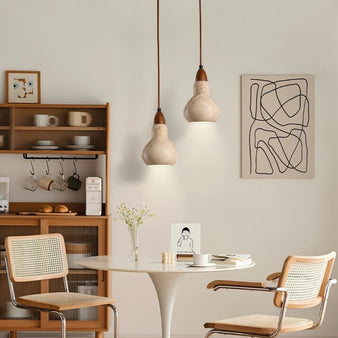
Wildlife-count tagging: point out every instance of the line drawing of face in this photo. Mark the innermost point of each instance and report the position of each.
(23, 87)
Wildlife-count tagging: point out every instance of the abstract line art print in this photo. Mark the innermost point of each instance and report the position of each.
(278, 126)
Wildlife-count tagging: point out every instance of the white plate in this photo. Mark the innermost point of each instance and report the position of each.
(201, 266)
(78, 146)
(45, 147)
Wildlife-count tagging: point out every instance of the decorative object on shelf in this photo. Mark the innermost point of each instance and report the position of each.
(23, 86)
(201, 107)
(133, 217)
(185, 238)
(160, 150)
(278, 126)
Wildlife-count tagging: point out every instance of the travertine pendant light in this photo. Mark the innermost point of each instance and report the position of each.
(201, 107)
(159, 150)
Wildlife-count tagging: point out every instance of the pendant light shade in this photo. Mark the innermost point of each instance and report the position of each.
(201, 107)
(159, 150)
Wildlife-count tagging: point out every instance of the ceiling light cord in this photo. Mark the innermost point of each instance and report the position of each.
(200, 24)
(158, 59)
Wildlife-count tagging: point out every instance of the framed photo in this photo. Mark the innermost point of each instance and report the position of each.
(185, 238)
(23, 86)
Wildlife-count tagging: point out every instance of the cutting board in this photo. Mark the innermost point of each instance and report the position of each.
(36, 213)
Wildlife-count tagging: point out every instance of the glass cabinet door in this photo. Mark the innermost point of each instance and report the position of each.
(81, 241)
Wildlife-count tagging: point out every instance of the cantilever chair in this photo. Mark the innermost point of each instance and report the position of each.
(43, 257)
(303, 282)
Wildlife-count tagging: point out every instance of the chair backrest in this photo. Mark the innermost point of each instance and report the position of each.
(37, 257)
(305, 278)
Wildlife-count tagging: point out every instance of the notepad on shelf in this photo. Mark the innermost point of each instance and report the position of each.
(233, 259)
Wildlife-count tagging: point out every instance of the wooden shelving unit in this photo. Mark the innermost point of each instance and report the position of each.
(16, 123)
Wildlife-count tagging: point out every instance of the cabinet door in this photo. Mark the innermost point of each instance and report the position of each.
(8, 312)
(84, 237)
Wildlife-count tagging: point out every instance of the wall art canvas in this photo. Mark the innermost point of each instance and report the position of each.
(278, 126)
(186, 238)
(23, 86)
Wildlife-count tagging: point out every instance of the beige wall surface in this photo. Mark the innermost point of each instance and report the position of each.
(98, 51)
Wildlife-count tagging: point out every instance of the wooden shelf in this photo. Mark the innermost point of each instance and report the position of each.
(48, 105)
(32, 128)
(5, 128)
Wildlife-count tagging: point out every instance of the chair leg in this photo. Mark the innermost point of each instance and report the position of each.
(63, 323)
(116, 314)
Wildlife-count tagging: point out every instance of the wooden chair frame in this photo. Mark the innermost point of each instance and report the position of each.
(12, 277)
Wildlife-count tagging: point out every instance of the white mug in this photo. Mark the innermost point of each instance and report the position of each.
(82, 140)
(201, 259)
(31, 183)
(44, 120)
(79, 119)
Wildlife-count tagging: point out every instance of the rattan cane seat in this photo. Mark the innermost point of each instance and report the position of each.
(258, 324)
(61, 301)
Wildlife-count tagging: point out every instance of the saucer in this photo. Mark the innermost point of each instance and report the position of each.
(80, 146)
(201, 266)
(45, 147)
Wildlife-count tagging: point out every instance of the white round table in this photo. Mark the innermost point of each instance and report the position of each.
(165, 278)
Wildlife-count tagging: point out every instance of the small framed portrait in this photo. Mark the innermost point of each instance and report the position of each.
(186, 238)
(23, 86)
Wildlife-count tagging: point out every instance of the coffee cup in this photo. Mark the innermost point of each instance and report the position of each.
(74, 182)
(59, 183)
(45, 182)
(2, 141)
(201, 259)
(44, 120)
(82, 140)
(79, 119)
(30, 183)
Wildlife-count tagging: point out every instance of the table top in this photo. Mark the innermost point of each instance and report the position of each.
(151, 265)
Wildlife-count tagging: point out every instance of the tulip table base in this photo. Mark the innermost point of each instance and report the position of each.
(165, 278)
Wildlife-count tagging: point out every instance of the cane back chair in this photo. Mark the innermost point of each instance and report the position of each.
(303, 282)
(43, 257)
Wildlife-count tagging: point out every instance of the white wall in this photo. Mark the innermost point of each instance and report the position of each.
(98, 51)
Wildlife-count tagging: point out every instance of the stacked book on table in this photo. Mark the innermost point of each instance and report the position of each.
(233, 259)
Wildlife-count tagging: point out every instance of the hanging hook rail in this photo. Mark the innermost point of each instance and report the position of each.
(26, 157)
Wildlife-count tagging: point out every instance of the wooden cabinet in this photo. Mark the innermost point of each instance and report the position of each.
(89, 233)
(92, 232)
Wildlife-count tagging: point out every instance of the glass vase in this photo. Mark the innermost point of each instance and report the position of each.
(134, 244)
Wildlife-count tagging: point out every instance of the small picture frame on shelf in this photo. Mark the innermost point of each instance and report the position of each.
(22, 86)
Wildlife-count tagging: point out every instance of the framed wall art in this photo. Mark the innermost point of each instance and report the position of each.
(186, 238)
(22, 86)
(277, 126)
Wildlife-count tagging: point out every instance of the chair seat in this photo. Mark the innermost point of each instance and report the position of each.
(259, 324)
(61, 301)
